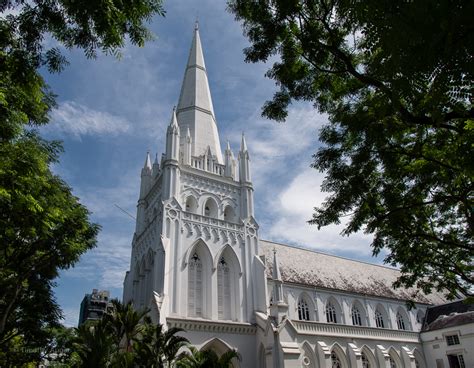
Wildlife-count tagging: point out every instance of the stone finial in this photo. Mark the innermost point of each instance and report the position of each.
(243, 144)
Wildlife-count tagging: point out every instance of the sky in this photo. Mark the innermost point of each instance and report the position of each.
(111, 112)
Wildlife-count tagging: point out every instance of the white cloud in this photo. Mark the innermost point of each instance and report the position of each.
(277, 150)
(102, 201)
(72, 118)
(294, 206)
(106, 264)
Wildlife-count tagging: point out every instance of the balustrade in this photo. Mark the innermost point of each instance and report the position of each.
(332, 329)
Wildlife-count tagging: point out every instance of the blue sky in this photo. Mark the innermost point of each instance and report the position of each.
(111, 112)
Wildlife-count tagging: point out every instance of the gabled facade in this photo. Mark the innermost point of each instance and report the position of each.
(197, 262)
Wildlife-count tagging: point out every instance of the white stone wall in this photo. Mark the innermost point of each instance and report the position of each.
(437, 350)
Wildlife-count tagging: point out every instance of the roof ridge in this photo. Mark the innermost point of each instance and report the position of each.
(305, 248)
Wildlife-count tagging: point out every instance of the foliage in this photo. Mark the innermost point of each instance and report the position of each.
(123, 322)
(28, 28)
(207, 359)
(395, 79)
(125, 338)
(43, 227)
(93, 344)
(158, 348)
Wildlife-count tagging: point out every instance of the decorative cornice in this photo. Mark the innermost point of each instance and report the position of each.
(189, 172)
(212, 326)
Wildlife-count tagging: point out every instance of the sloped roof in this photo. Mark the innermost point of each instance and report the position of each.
(449, 315)
(307, 267)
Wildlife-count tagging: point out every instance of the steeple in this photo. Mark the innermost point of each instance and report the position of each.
(195, 110)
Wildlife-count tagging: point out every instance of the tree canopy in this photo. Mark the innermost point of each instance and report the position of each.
(395, 79)
(29, 28)
(43, 226)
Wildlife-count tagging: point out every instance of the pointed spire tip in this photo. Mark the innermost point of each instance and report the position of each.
(243, 144)
(147, 160)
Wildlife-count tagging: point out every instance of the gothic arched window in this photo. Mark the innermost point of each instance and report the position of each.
(229, 214)
(303, 310)
(392, 363)
(195, 289)
(331, 313)
(355, 313)
(420, 316)
(365, 361)
(379, 322)
(191, 204)
(400, 322)
(210, 208)
(335, 361)
(223, 290)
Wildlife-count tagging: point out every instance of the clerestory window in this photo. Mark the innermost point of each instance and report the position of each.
(400, 322)
(331, 313)
(303, 310)
(356, 320)
(379, 322)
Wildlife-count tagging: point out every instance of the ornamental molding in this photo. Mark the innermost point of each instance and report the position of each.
(212, 326)
(209, 183)
(354, 332)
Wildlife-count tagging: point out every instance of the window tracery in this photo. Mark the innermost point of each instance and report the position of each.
(365, 361)
(331, 316)
(379, 321)
(355, 313)
(392, 363)
(335, 361)
(400, 322)
(303, 310)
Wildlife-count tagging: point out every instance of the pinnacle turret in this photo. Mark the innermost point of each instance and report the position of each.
(147, 166)
(174, 121)
(276, 267)
(156, 166)
(243, 144)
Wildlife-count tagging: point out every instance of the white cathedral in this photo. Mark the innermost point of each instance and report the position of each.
(198, 263)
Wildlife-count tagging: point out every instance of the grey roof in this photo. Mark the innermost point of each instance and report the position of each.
(307, 267)
(448, 315)
(452, 320)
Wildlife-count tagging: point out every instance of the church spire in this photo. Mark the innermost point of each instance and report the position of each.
(195, 109)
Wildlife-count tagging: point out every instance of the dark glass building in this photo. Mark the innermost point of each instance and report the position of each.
(94, 305)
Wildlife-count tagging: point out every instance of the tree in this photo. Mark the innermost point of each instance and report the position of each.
(395, 79)
(93, 344)
(24, 96)
(157, 348)
(43, 227)
(124, 323)
(207, 359)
